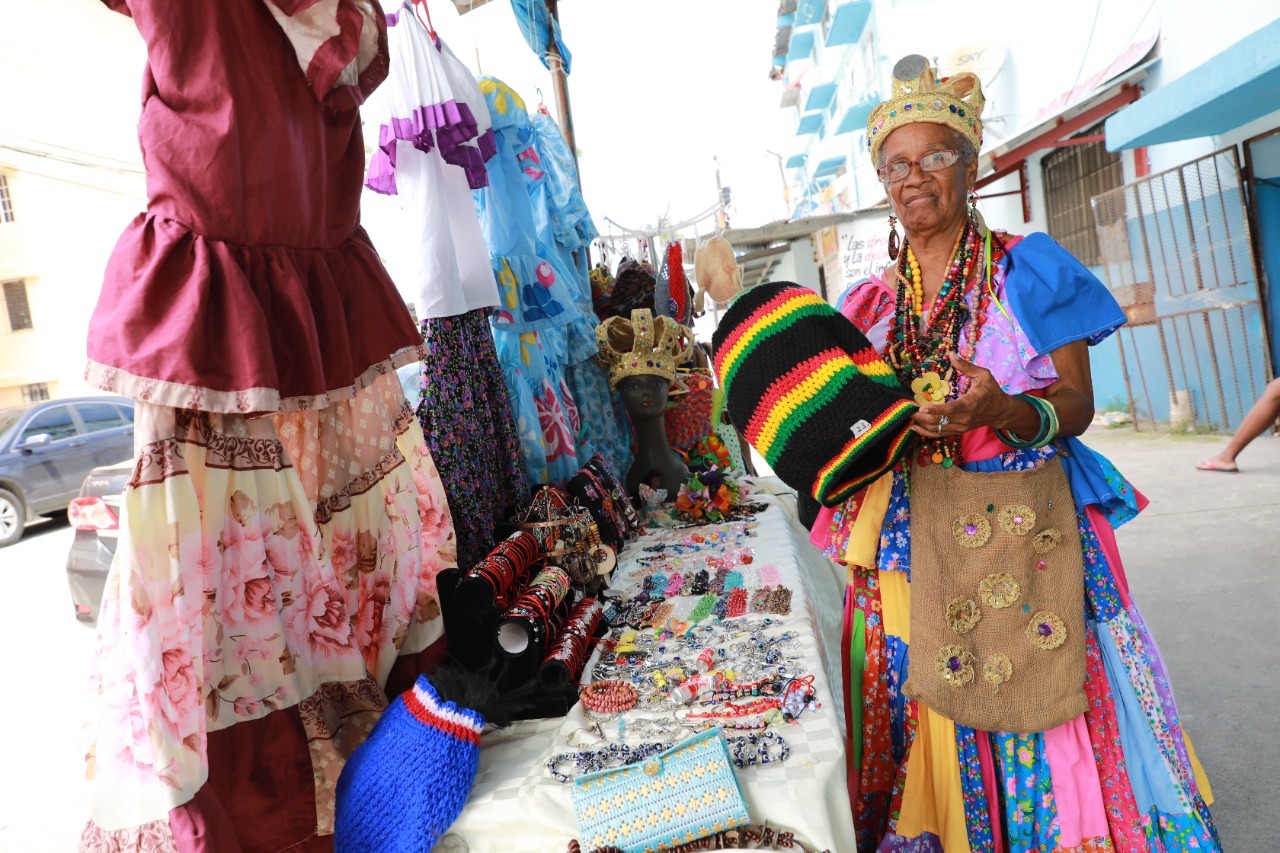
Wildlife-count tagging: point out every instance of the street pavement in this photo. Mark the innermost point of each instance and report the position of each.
(44, 667)
(1202, 563)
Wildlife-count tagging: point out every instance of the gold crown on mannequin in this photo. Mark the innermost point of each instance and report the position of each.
(920, 95)
(642, 346)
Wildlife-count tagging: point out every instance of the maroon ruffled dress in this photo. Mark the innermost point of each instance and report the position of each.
(284, 524)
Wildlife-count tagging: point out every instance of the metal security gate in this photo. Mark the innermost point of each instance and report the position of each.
(1177, 256)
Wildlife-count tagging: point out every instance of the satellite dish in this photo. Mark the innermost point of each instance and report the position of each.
(984, 57)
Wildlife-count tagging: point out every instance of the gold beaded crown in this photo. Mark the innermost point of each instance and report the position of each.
(642, 346)
(920, 95)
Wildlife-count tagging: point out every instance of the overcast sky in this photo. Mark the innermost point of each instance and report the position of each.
(659, 89)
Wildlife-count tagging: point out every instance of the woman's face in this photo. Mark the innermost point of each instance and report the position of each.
(644, 396)
(927, 201)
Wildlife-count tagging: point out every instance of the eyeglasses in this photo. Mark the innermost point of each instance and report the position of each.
(934, 161)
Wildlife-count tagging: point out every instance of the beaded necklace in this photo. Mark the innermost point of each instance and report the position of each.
(919, 349)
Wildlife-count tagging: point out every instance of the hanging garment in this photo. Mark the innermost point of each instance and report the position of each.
(284, 523)
(537, 300)
(465, 413)
(565, 228)
(433, 140)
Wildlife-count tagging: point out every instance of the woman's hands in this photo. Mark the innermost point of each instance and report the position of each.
(984, 404)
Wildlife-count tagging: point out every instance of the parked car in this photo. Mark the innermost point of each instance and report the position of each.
(47, 449)
(95, 515)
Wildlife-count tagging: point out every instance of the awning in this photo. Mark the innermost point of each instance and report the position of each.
(848, 22)
(801, 46)
(1235, 87)
(828, 167)
(797, 161)
(809, 124)
(855, 118)
(820, 97)
(810, 11)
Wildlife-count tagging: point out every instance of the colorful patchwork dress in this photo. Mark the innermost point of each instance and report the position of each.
(1121, 777)
(434, 139)
(282, 530)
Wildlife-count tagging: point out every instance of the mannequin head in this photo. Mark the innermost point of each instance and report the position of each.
(644, 395)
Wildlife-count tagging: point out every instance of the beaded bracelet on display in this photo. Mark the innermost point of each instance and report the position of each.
(753, 749)
(591, 761)
(608, 697)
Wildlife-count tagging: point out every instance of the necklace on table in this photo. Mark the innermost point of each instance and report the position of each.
(919, 348)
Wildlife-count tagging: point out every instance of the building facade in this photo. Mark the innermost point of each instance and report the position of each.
(71, 178)
(1059, 86)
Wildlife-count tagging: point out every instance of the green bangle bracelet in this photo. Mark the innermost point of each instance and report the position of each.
(1043, 435)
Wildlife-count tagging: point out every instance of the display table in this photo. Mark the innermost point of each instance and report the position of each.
(516, 805)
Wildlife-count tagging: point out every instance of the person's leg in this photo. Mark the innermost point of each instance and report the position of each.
(1260, 417)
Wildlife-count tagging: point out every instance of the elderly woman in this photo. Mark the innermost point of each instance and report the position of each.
(1024, 718)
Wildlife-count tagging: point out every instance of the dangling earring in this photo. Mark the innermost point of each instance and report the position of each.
(979, 222)
(894, 245)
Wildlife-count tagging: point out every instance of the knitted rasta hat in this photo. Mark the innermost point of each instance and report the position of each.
(809, 391)
(406, 784)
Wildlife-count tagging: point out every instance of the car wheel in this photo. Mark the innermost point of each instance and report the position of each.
(12, 518)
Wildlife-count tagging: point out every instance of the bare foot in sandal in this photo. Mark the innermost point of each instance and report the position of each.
(1221, 464)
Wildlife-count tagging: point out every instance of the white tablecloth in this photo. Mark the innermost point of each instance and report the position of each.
(516, 805)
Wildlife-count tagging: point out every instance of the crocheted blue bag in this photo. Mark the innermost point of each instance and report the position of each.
(678, 796)
(406, 784)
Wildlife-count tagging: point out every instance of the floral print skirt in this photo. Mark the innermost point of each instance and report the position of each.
(466, 415)
(273, 576)
(1121, 777)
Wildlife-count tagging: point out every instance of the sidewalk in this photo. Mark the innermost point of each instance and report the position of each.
(1203, 562)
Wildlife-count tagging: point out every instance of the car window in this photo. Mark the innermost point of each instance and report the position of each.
(8, 420)
(99, 416)
(126, 412)
(56, 421)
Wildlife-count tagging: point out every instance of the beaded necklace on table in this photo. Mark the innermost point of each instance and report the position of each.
(919, 350)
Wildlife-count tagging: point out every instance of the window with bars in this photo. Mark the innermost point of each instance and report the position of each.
(1073, 175)
(6, 201)
(35, 393)
(16, 305)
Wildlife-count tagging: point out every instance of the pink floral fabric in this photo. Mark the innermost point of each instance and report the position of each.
(259, 560)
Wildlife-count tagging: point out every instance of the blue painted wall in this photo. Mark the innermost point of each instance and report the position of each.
(1219, 351)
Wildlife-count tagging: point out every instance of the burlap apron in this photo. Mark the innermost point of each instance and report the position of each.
(997, 598)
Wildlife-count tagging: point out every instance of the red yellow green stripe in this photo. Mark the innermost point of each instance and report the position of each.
(762, 324)
(886, 423)
(784, 409)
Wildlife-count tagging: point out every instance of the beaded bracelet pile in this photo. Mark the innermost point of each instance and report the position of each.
(608, 697)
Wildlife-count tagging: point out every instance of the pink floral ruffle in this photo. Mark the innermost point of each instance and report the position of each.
(261, 561)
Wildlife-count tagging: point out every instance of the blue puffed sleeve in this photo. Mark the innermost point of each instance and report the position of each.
(1055, 299)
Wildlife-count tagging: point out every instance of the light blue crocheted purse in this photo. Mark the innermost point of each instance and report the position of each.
(686, 793)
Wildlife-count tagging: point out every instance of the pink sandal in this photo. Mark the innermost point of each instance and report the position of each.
(1211, 465)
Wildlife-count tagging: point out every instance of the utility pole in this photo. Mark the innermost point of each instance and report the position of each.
(722, 217)
(786, 188)
(561, 82)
